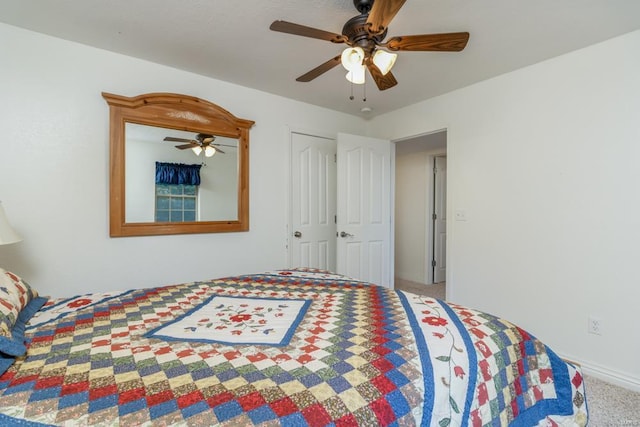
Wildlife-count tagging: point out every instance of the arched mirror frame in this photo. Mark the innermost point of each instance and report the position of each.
(172, 111)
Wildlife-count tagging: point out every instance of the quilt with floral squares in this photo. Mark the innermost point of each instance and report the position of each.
(284, 348)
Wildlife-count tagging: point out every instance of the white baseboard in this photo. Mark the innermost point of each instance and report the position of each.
(608, 375)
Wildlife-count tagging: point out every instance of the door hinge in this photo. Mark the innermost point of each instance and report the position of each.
(434, 216)
(433, 263)
(335, 157)
(335, 219)
(435, 171)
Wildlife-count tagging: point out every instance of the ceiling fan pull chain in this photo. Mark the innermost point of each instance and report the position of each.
(351, 97)
(364, 91)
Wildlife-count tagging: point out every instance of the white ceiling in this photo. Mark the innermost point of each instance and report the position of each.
(230, 40)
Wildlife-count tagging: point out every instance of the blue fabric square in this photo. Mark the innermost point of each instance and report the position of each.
(202, 373)
(310, 380)
(43, 394)
(397, 377)
(293, 420)
(103, 403)
(73, 399)
(195, 409)
(227, 410)
(133, 406)
(396, 359)
(261, 414)
(339, 384)
(283, 377)
(228, 375)
(342, 367)
(398, 403)
(162, 409)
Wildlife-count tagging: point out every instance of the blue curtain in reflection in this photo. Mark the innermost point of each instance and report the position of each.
(177, 173)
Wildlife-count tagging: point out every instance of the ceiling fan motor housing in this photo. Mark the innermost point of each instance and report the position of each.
(356, 30)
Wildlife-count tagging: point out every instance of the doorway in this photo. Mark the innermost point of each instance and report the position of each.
(420, 209)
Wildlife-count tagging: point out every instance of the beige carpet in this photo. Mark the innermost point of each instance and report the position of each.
(609, 405)
(437, 290)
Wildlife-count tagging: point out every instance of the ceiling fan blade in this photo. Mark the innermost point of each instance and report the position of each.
(301, 30)
(321, 69)
(383, 81)
(382, 13)
(171, 138)
(445, 42)
(185, 146)
(219, 150)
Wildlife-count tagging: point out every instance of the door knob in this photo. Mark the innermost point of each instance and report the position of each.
(345, 234)
(297, 234)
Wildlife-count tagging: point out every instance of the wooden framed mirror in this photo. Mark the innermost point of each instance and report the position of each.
(152, 131)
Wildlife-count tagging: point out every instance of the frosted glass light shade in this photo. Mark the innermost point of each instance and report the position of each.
(352, 57)
(7, 234)
(384, 60)
(356, 75)
(209, 151)
(197, 150)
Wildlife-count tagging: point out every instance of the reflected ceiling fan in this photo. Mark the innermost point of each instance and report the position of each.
(365, 34)
(202, 143)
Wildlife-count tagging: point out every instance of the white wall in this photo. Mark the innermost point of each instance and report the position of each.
(545, 162)
(411, 215)
(54, 128)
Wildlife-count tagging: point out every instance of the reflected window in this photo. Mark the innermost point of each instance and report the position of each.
(176, 202)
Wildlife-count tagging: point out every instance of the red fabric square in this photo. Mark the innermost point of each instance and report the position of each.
(161, 397)
(43, 383)
(100, 392)
(74, 388)
(284, 407)
(219, 399)
(383, 411)
(316, 415)
(347, 421)
(383, 384)
(130, 395)
(251, 401)
(189, 399)
(382, 364)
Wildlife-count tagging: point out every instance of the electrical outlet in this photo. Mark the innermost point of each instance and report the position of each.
(461, 215)
(594, 326)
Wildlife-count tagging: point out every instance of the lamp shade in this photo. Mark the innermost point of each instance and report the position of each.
(197, 150)
(209, 151)
(356, 75)
(7, 233)
(384, 60)
(352, 57)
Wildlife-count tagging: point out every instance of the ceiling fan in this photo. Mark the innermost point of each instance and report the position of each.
(365, 34)
(202, 142)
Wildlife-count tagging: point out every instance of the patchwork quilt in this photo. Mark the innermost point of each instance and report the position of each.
(283, 348)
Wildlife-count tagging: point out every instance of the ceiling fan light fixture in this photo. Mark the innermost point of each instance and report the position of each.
(209, 151)
(384, 60)
(197, 150)
(356, 75)
(352, 57)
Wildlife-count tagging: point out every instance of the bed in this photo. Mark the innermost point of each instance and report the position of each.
(290, 347)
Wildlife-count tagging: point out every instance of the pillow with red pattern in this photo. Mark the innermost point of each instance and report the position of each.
(18, 303)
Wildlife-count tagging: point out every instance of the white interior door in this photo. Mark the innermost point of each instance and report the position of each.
(440, 221)
(312, 240)
(364, 209)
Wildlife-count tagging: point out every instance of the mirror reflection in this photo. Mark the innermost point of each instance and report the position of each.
(179, 176)
(156, 137)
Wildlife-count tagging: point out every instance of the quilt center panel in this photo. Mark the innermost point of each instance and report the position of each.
(237, 320)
